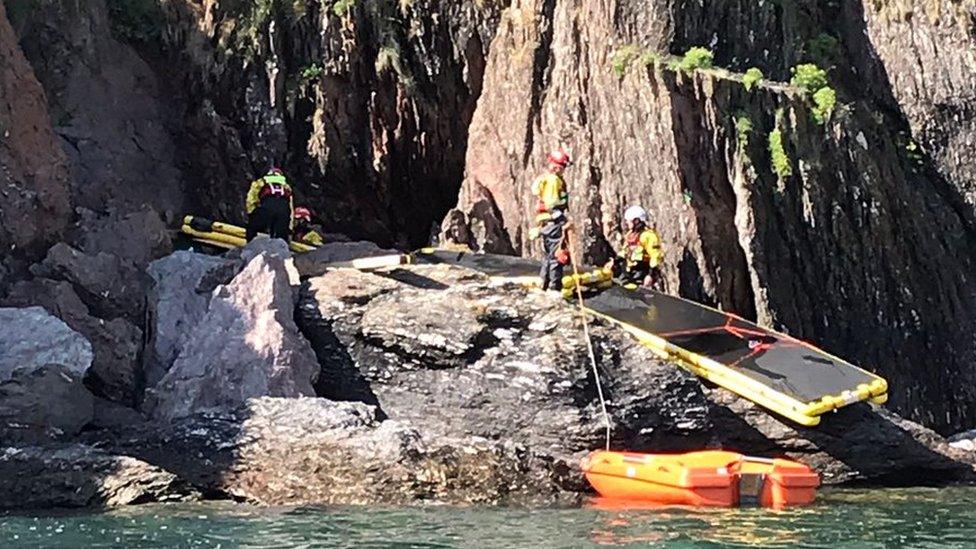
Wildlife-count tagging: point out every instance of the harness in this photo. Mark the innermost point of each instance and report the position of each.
(275, 186)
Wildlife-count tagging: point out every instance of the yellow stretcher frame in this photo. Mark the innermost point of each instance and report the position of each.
(224, 235)
(804, 413)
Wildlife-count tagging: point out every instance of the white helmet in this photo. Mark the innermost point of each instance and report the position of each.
(635, 212)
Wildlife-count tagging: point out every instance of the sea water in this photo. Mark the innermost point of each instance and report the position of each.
(918, 517)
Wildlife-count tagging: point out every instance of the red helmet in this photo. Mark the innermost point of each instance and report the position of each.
(303, 213)
(559, 158)
(275, 170)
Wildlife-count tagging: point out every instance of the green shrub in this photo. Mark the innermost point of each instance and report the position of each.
(697, 58)
(650, 58)
(824, 101)
(743, 127)
(623, 57)
(780, 161)
(809, 77)
(752, 77)
(342, 7)
(311, 72)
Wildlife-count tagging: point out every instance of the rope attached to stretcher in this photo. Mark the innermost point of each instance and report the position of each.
(586, 334)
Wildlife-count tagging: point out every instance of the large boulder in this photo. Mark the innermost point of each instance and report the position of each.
(76, 475)
(294, 451)
(110, 286)
(456, 356)
(42, 364)
(176, 304)
(116, 372)
(245, 345)
(139, 236)
(47, 398)
(32, 338)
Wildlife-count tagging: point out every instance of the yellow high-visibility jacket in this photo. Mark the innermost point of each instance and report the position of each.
(552, 194)
(312, 238)
(643, 248)
(254, 192)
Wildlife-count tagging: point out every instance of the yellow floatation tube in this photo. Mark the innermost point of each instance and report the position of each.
(225, 235)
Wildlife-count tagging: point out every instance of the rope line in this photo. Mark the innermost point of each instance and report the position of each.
(586, 334)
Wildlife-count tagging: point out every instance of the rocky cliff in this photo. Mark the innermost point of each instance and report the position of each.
(839, 209)
(431, 384)
(835, 229)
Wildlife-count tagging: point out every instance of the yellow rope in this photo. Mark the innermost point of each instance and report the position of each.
(586, 334)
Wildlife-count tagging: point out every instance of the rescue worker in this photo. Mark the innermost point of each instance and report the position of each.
(642, 256)
(550, 189)
(269, 206)
(303, 231)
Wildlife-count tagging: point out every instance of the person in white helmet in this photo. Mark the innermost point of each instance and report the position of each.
(641, 259)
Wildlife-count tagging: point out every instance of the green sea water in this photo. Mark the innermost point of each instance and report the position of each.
(919, 517)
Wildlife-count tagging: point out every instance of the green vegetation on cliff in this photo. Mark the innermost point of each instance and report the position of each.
(780, 161)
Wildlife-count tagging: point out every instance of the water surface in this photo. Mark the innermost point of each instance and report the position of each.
(919, 517)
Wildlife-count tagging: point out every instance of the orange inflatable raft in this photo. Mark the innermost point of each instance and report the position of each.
(708, 478)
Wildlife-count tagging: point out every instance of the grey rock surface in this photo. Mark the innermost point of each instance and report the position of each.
(32, 338)
(116, 372)
(47, 399)
(110, 286)
(245, 345)
(176, 305)
(76, 475)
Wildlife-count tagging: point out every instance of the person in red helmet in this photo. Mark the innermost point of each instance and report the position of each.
(269, 206)
(553, 201)
(303, 230)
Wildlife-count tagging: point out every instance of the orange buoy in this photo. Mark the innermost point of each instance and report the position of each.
(707, 478)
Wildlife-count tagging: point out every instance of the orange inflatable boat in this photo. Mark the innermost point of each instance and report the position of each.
(708, 478)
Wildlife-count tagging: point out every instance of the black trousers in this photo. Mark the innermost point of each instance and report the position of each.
(273, 216)
(551, 271)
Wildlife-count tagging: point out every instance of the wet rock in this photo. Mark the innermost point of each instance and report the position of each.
(76, 475)
(110, 286)
(176, 305)
(245, 345)
(277, 451)
(32, 338)
(47, 398)
(116, 372)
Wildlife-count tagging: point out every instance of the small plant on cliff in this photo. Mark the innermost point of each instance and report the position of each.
(752, 77)
(342, 7)
(311, 72)
(780, 161)
(743, 127)
(697, 58)
(824, 101)
(623, 57)
(650, 59)
(809, 77)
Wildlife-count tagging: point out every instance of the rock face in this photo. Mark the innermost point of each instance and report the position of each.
(32, 339)
(245, 345)
(42, 364)
(176, 305)
(34, 208)
(275, 451)
(796, 242)
(447, 352)
(75, 475)
(115, 371)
